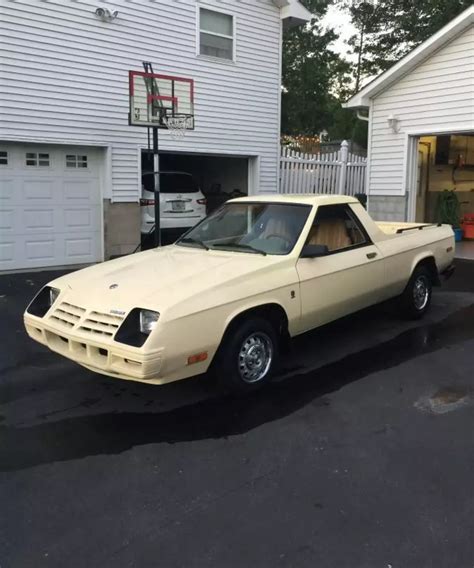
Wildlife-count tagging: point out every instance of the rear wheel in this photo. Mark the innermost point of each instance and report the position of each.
(248, 356)
(416, 299)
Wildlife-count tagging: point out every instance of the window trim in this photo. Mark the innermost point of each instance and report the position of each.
(346, 206)
(213, 58)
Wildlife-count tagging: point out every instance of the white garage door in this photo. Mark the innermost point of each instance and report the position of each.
(50, 206)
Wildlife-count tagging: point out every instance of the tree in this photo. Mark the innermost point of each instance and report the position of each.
(313, 75)
(388, 29)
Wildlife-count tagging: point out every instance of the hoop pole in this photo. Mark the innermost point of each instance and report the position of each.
(156, 187)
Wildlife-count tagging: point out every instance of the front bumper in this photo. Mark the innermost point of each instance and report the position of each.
(106, 357)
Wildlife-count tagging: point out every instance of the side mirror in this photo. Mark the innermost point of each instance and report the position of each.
(313, 251)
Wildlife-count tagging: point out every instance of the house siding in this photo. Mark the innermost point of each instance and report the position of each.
(76, 87)
(437, 96)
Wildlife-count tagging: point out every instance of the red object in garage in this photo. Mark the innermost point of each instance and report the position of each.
(467, 226)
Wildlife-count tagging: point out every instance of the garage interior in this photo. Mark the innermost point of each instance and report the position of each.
(446, 162)
(219, 177)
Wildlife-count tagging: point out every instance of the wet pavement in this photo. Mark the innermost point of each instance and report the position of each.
(359, 455)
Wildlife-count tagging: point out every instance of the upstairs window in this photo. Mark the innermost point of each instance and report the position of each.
(216, 34)
(3, 158)
(76, 161)
(34, 159)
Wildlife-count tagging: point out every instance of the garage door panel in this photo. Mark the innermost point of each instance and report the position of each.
(78, 247)
(7, 252)
(34, 219)
(50, 216)
(82, 190)
(7, 220)
(38, 190)
(40, 248)
(7, 190)
(77, 218)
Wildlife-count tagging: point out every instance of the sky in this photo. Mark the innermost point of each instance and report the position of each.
(340, 21)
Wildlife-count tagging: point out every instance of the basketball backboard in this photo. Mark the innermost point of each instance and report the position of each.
(161, 101)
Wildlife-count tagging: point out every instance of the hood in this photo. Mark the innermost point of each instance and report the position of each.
(158, 278)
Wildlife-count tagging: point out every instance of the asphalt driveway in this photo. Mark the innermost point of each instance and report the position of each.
(360, 455)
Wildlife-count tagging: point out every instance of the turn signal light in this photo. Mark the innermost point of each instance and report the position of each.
(198, 358)
(202, 201)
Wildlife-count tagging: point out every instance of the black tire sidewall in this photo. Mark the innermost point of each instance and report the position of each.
(226, 368)
(408, 301)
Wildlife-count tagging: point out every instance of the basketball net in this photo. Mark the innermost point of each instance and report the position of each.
(177, 125)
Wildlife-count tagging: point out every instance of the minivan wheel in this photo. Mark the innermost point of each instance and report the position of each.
(248, 356)
(416, 298)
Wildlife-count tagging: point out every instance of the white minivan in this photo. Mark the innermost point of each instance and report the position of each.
(182, 204)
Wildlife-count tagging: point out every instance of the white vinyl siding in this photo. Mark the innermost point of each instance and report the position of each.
(78, 86)
(437, 96)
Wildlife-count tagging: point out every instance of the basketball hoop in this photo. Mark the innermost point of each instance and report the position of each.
(161, 101)
(178, 125)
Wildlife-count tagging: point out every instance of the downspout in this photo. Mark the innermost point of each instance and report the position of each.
(363, 117)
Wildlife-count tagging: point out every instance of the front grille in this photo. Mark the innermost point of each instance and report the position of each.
(95, 323)
(101, 324)
(68, 315)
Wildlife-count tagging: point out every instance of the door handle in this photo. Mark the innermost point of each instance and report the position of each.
(371, 255)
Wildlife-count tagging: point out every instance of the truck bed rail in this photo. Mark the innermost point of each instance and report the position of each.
(418, 227)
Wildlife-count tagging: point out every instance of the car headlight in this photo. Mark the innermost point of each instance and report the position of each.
(53, 295)
(136, 327)
(43, 301)
(148, 321)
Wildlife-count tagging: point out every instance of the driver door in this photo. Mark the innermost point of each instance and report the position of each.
(350, 277)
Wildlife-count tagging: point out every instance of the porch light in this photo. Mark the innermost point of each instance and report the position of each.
(393, 123)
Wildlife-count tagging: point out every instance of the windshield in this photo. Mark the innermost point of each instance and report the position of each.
(258, 228)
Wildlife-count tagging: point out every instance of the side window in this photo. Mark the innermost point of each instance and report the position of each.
(336, 227)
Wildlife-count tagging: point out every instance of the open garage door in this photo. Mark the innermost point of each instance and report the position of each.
(50, 206)
(219, 177)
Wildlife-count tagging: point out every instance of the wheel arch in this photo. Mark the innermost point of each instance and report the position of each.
(273, 312)
(429, 262)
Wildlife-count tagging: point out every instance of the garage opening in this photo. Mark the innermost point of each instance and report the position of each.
(219, 178)
(446, 162)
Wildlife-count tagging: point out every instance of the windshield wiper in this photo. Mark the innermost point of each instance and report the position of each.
(240, 246)
(192, 241)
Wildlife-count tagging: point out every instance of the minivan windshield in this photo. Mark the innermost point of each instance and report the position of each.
(171, 182)
(253, 228)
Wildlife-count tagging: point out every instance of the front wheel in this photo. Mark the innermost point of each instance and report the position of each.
(416, 299)
(248, 356)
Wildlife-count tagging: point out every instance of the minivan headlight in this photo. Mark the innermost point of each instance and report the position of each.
(148, 321)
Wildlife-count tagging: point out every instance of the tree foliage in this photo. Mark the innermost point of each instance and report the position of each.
(388, 29)
(316, 79)
(313, 76)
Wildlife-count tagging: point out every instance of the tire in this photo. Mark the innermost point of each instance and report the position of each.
(248, 356)
(416, 299)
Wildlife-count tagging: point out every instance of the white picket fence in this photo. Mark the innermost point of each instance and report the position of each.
(334, 172)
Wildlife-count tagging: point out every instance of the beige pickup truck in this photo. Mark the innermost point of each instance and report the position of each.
(229, 292)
